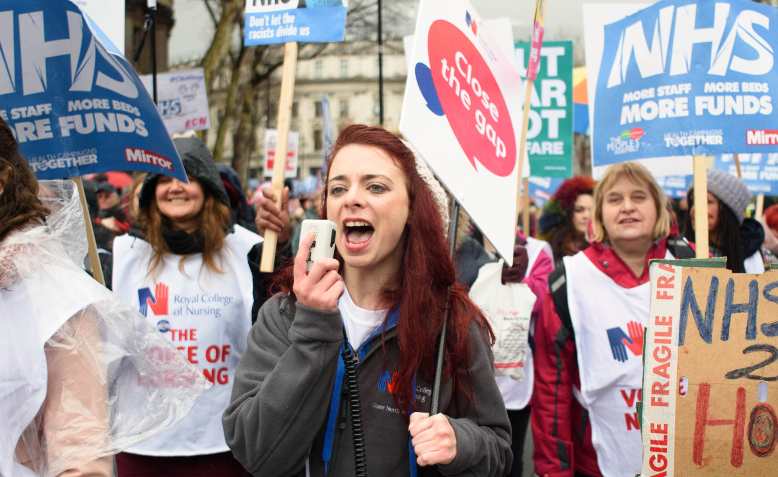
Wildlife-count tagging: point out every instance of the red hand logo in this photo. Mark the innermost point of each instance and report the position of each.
(636, 336)
(160, 304)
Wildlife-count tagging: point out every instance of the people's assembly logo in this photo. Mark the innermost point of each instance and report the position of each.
(459, 84)
(626, 142)
(620, 341)
(157, 301)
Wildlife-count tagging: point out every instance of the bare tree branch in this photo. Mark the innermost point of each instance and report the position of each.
(211, 13)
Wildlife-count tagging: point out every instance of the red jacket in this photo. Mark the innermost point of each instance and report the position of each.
(560, 426)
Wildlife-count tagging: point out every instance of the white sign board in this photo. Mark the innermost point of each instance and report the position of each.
(595, 17)
(462, 112)
(292, 156)
(182, 100)
(109, 16)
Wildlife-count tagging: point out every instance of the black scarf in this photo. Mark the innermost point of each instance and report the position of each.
(182, 243)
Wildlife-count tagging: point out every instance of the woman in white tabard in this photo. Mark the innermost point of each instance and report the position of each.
(589, 338)
(187, 271)
(63, 336)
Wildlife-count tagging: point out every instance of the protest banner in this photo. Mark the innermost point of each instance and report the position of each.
(293, 146)
(182, 100)
(706, 92)
(703, 416)
(109, 16)
(460, 111)
(550, 130)
(541, 189)
(674, 186)
(73, 103)
(595, 17)
(759, 172)
(530, 74)
(268, 22)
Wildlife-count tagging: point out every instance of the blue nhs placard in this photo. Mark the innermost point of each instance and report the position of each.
(268, 22)
(73, 102)
(688, 77)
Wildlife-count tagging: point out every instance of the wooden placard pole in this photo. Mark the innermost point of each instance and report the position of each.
(525, 207)
(279, 166)
(522, 193)
(701, 206)
(737, 166)
(759, 207)
(94, 258)
(522, 150)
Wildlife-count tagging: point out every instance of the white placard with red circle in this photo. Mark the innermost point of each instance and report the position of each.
(462, 112)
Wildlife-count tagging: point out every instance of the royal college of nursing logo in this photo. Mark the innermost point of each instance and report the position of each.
(157, 301)
(620, 341)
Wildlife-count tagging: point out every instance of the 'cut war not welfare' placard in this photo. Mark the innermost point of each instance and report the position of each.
(685, 77)
(550, 128)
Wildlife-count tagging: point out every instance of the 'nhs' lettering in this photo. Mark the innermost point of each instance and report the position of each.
(35, 50)
(681, 22)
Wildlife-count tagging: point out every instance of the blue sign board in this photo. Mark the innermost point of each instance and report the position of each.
(72, 101)
(268, 22)
(688, 77)
(759, 172)
(542, 188)
(675, 186)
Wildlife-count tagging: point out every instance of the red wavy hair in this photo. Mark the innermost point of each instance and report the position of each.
(426, 279)
(570, 189)
(771, 216)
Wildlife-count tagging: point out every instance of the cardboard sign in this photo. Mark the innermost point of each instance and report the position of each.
(109, 16)
(292, 156)
(550, 134)
(73, 102)
(710, 389)
(182, 100)
(687, 77)
(461, 111)
(268, 22)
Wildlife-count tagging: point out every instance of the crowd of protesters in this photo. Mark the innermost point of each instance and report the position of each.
(278, 347)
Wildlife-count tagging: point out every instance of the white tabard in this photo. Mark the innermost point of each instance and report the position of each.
(207, 316)
(31, 311)
(611, 372)
(754, 263)
(517, 394)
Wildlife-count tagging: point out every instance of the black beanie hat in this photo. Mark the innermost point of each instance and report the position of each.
(198, 163)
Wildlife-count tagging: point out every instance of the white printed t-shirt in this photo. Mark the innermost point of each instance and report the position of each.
(206, 315)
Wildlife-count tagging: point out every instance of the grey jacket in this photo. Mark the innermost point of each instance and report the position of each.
(282, 392)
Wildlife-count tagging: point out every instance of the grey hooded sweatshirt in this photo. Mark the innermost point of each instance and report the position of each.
(277, 420)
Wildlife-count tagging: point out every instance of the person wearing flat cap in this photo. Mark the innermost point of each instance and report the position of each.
(187, 271)
(731, 234)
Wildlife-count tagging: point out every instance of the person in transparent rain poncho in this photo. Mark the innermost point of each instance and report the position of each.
(69, 350)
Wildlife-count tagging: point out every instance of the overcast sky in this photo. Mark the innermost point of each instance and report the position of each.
(193, 29)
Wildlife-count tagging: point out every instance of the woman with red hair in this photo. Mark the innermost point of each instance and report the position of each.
(383, 298)
(566, 217)
(770, 245)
